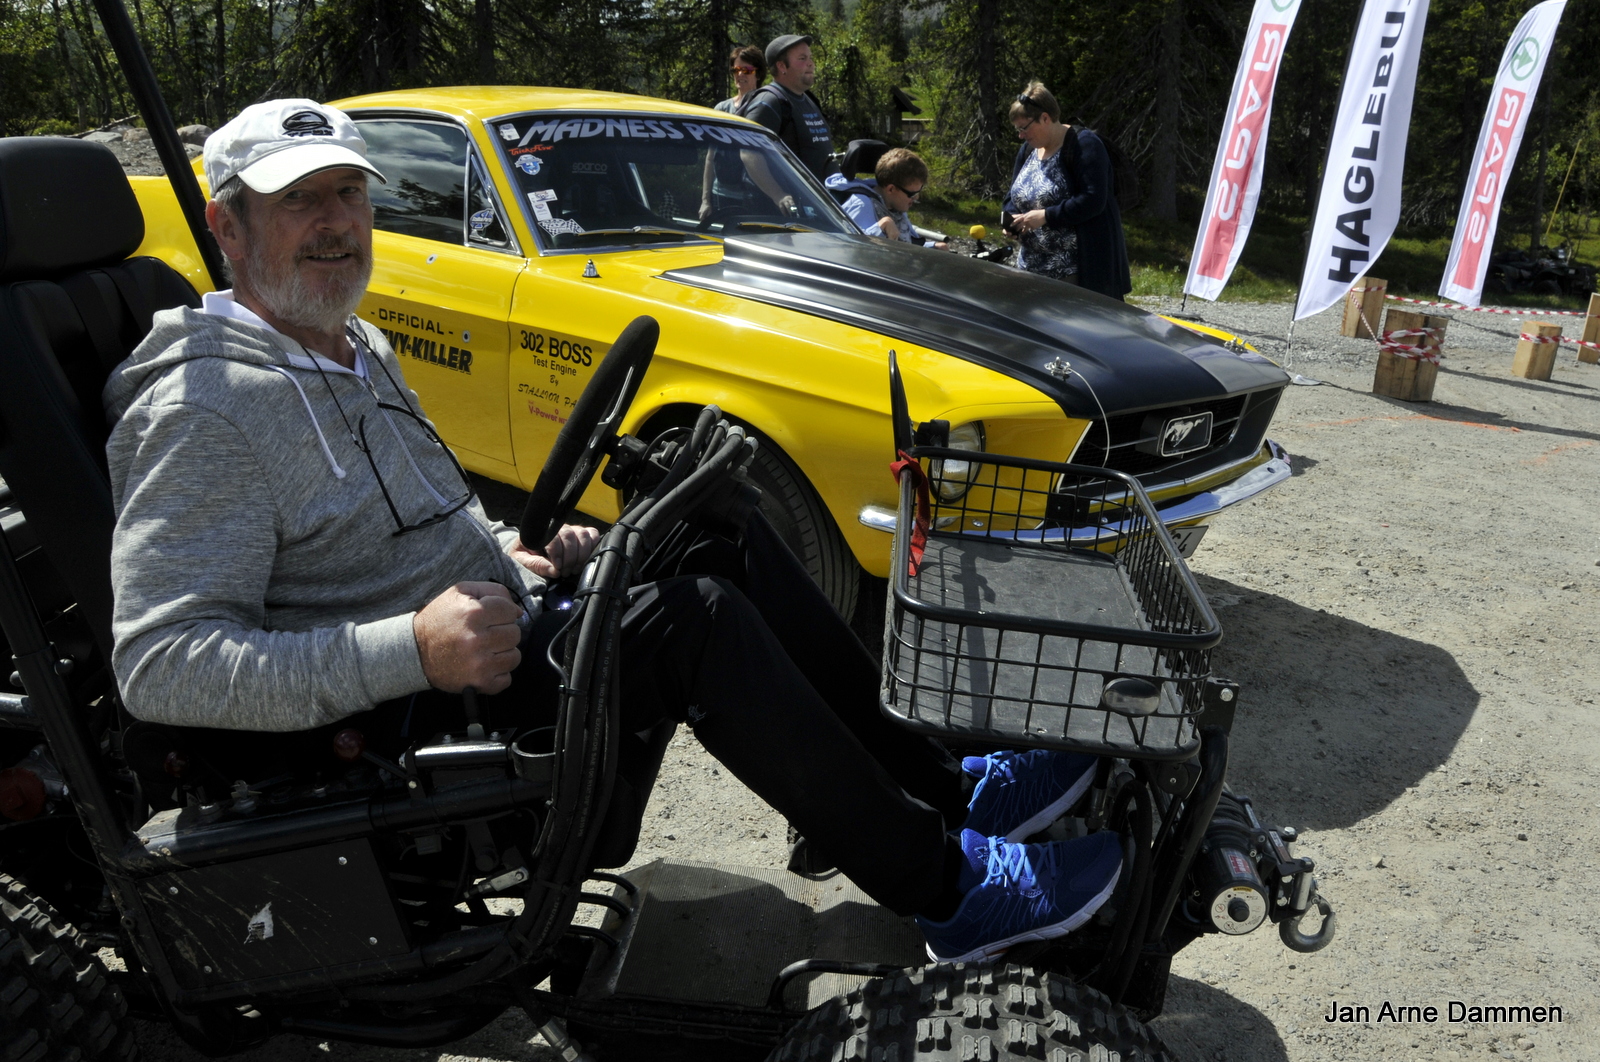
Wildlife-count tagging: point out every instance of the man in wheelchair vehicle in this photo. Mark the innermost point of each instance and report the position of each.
(297, 552)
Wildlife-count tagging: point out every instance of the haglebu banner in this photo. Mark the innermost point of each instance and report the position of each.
(1360, 201)
(1242, 151)
(1521, 67)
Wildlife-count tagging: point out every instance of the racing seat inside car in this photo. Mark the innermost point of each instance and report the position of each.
(73, 305)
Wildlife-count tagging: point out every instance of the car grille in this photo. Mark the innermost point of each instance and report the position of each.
(1127, 432)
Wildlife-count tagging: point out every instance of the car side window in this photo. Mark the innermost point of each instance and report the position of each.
(486, 226)
(426, 167)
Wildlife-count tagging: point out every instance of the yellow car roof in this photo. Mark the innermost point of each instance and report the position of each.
(483, 102)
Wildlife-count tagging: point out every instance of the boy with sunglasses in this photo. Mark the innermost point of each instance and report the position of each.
(882, 206)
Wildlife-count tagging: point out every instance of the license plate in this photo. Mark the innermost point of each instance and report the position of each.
(1188, 538)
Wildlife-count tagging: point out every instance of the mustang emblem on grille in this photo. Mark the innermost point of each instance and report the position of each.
(1182, 435)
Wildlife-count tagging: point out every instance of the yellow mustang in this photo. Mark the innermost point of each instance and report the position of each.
(521, 228)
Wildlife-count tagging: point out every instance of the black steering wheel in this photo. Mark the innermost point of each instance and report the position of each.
(587, 435)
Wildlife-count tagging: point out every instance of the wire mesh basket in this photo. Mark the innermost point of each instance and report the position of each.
(1037, 604)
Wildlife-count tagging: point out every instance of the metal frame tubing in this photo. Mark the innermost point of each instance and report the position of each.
(163, 132)
(75, 752)
(1191, 828)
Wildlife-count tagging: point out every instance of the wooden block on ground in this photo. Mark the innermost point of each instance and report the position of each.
(1409, 379)
(1359, 304)
(1535, 361)
(1591, 332)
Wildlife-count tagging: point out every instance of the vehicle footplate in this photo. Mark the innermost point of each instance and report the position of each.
(723, 933)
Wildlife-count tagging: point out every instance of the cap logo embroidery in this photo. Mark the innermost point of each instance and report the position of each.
(306, 123)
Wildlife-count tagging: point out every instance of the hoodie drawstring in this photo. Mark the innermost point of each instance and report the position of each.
(326, 450)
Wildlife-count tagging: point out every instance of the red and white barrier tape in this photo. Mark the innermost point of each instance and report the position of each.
(1529, 312)
(1559, 339)
(1390, 343)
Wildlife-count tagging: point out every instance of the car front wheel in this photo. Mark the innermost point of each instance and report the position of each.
(795, 511)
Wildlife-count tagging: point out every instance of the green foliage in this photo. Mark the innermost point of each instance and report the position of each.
(855, 77)
(1150, 75)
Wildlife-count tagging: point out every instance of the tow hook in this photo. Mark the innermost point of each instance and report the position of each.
(1295, 940)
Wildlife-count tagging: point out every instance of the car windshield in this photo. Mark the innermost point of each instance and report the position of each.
(595, 180)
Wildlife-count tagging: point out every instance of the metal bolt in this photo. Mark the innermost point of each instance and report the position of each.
(207, 969)
(411, 784)
(1226, 695)
(372, 940)
(172, 889)
(1289, 833)
(343, 861)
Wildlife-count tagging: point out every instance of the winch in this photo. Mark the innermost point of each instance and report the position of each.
(1245, 873)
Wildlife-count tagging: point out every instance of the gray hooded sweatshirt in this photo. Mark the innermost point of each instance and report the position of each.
(259, 581)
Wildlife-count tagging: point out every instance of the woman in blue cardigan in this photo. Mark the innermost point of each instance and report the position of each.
(1064, 209)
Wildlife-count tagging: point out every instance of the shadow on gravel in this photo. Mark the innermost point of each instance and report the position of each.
(1299, 465)
(1336, 719)
(1484, 418)
(1553, 387)
(1201, 1023)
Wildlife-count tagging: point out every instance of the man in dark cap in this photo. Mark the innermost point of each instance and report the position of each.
(786, 106)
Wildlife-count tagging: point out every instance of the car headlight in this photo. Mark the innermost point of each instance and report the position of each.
(954, 478)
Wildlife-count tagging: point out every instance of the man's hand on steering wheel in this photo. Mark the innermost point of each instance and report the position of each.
(566, 554)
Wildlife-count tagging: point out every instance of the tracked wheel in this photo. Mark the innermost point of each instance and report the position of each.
(56, 1004)
(972, 1013)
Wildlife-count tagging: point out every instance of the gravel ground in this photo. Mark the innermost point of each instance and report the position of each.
(1412, 616)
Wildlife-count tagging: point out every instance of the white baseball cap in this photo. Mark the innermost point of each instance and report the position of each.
(271, 145)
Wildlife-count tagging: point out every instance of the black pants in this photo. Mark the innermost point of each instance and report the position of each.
(737, 641)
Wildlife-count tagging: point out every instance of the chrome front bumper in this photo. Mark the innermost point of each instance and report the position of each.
(1191, 510)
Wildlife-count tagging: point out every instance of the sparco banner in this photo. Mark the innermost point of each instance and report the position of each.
(1521, 67)
(1360, 201)
(1236, 174)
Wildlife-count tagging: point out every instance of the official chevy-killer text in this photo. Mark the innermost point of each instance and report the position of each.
(407, 344)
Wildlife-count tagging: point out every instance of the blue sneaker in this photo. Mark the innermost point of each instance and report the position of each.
(1018, 892)
(1020, 793)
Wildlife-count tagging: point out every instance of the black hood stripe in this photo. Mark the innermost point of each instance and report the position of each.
(1001, 318)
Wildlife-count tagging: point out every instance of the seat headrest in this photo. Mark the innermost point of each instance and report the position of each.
(862, 157)
(65, 205)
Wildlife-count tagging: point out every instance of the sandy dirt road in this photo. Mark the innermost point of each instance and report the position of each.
(1414, 619)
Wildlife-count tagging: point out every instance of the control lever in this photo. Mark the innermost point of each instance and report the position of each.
(469, 702)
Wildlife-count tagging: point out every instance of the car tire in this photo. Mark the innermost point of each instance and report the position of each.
(971, 1011)
(56, 1002)
(795, 511)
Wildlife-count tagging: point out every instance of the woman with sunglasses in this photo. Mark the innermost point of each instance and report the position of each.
(1062, 208)
(724, 184)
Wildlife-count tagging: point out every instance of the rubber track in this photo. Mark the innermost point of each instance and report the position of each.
(970, 1012)
(56, 1004)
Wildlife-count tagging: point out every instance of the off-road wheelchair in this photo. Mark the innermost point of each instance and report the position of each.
(409, 900)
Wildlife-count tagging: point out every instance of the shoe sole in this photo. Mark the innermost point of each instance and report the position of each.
(1049, 814)
(996, 948)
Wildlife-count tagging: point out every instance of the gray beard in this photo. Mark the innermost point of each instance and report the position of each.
(287, 296)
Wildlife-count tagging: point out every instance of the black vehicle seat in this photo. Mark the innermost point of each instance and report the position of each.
(72, 306)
